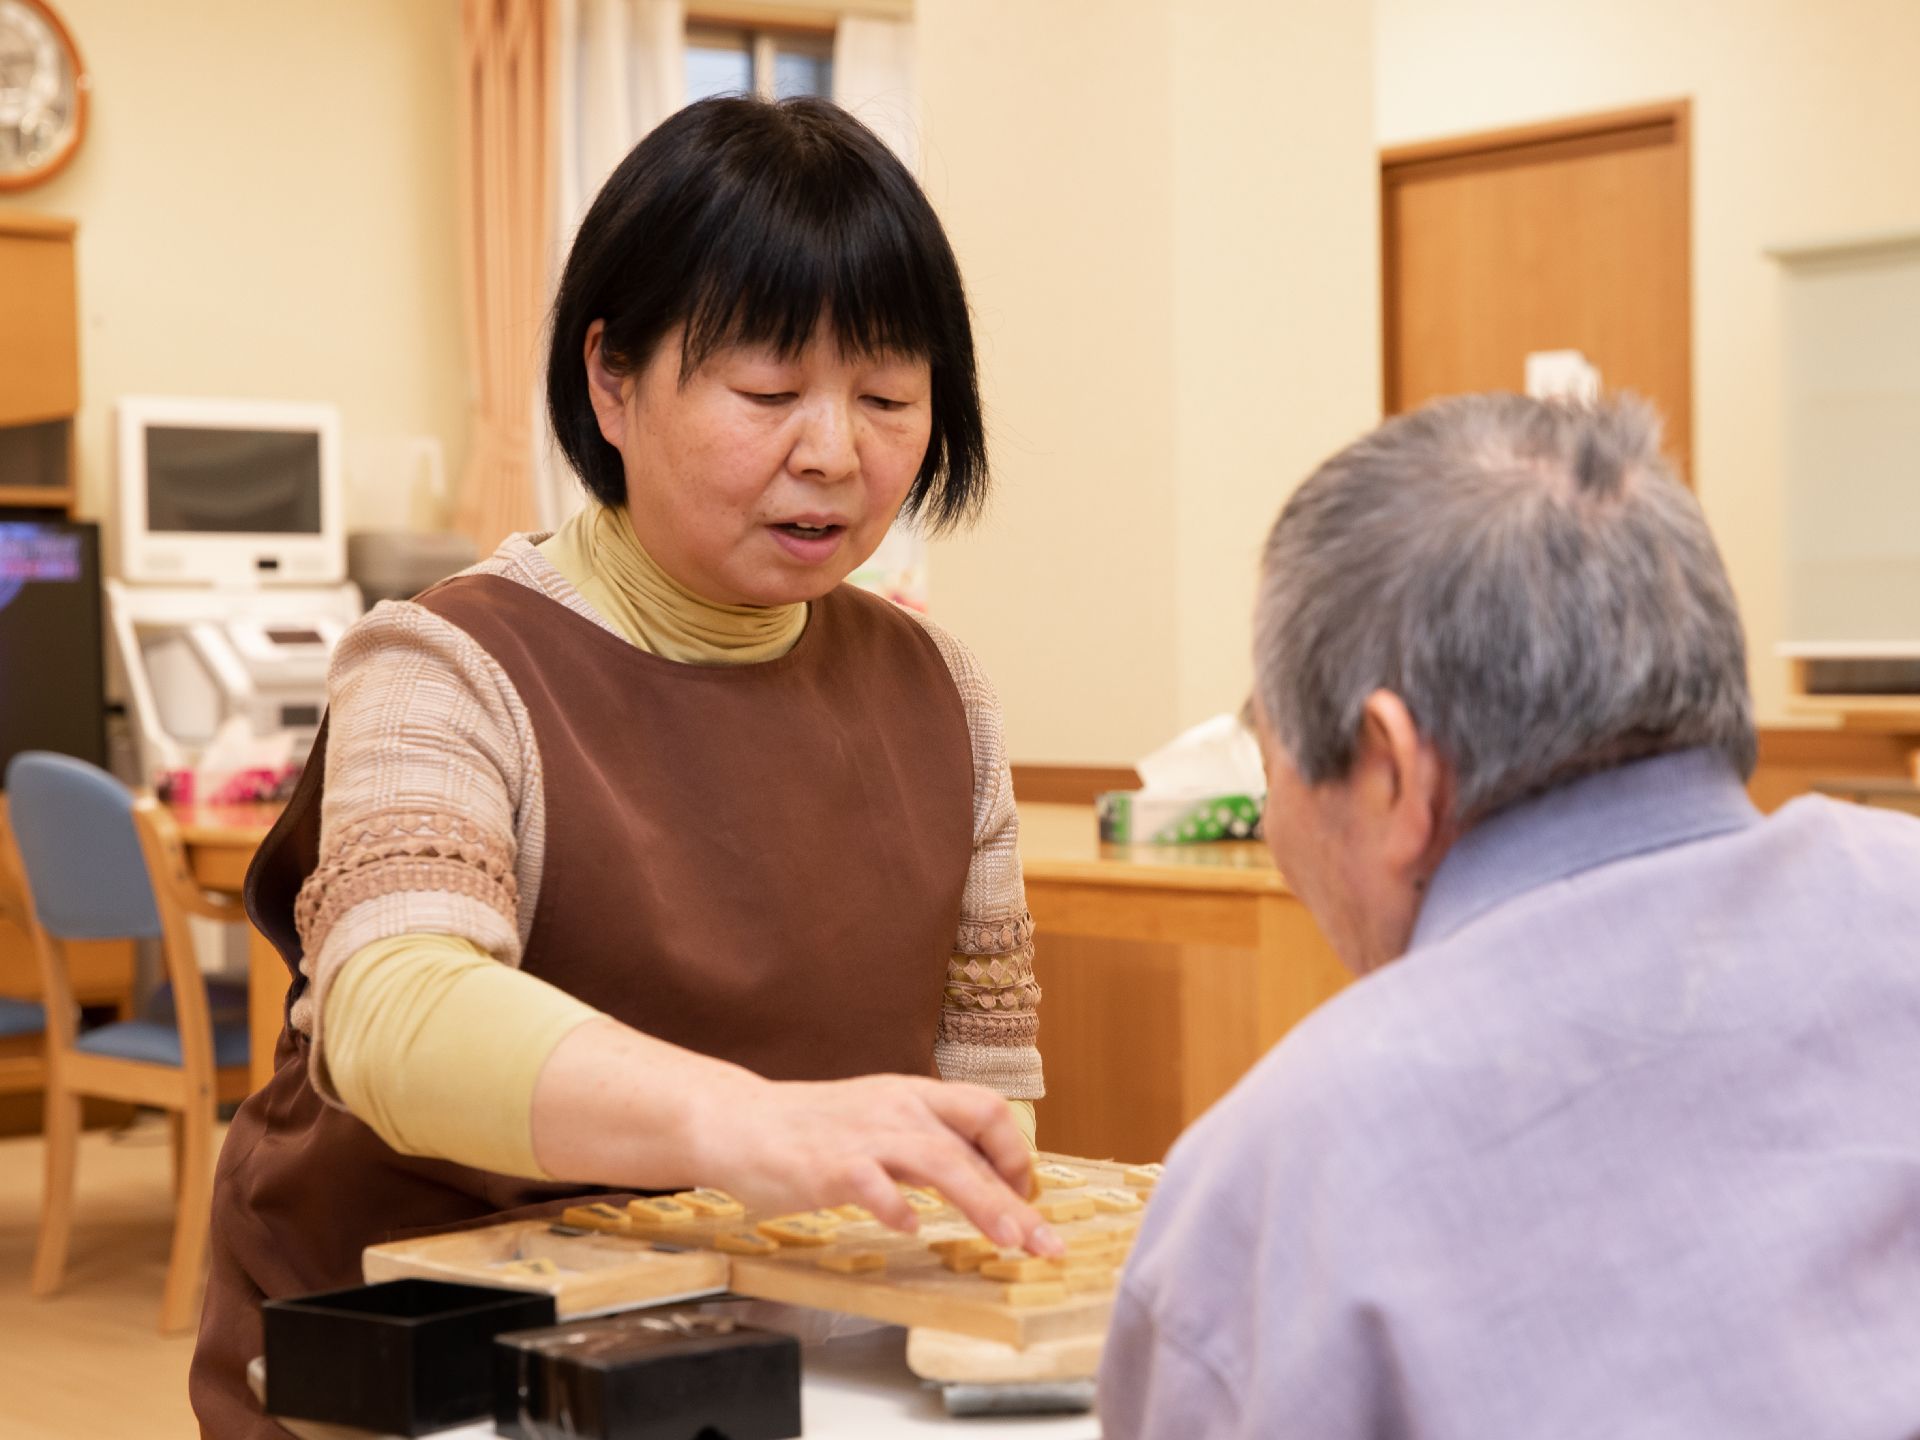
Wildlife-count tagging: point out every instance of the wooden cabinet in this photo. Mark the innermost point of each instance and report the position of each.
(39, 362)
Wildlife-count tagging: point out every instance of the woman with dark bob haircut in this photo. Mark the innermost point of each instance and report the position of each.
(649, 855)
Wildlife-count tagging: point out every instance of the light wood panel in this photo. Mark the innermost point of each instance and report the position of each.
(40, 360)
(1793, 761)
(1574, 235)
(1111, 1039)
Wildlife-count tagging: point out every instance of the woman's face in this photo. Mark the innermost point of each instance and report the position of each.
(762, 480)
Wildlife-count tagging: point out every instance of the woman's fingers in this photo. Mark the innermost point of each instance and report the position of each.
(856, 1140)
(961, 1167)
(981, 1117)
(871, 1186)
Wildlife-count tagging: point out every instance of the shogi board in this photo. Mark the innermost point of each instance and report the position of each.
(603, 1271)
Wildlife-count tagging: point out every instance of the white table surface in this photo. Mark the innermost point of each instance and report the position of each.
(858, 1387)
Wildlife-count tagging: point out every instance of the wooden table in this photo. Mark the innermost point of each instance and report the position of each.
(220, 841)
(1167, 972)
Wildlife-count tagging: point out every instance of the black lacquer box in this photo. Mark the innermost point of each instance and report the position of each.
(405, 1357)
(658, 1375)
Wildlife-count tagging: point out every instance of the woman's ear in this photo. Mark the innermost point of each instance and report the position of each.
(608, 390)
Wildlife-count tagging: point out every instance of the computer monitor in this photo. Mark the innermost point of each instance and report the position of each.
(52, 687)
(229, 492)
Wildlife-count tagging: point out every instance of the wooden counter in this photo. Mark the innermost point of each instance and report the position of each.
(1167, 972)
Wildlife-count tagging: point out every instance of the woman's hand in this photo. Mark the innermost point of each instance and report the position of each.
(805, 1145)
(618, 1108)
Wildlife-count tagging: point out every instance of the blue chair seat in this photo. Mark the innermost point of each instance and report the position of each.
(159, 1044)
(21, 1017)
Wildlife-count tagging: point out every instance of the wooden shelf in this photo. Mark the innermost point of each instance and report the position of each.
(40, 362)
(38, 497)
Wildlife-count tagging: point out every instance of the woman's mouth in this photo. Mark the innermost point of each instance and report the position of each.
(810, 543)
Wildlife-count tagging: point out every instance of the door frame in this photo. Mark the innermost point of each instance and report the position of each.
(1663, 123)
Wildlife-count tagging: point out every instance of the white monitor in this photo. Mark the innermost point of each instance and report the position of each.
(229, 492)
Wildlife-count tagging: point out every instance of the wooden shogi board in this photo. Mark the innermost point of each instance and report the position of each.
(599, 1271)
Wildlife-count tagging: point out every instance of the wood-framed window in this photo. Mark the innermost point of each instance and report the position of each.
(776, 63)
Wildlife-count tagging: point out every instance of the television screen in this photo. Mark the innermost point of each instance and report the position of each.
(52, 686)
(207, 481)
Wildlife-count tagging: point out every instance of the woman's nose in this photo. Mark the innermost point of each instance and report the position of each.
(824, 446)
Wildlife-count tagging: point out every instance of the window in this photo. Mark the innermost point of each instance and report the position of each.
(779, 64)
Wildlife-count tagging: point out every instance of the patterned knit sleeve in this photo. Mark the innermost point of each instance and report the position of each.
(990, 1021)
(425, 822)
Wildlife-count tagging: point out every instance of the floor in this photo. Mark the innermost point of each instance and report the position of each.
(89, 1363)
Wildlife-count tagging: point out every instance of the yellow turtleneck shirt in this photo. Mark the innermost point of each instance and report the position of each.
(401, 1015)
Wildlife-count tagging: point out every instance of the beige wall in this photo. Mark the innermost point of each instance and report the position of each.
(1166, 217)
(266, 207)
(1805, 117)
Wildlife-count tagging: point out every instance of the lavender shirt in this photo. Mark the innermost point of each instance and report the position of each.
(1628, 1144)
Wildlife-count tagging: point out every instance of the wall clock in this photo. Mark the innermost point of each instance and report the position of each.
(43, 94)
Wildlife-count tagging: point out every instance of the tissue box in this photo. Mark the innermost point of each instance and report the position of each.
(404, 1357)
(1144, 817)
(658, 1375)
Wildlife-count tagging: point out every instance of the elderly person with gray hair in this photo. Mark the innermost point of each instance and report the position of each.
(1620, 1133)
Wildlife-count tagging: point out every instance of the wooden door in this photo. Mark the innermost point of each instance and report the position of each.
(1567, 236)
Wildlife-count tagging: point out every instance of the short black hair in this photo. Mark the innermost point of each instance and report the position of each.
(748, 220)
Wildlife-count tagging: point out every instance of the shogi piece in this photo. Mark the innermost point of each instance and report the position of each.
(1057, 1177)
(706, 1201)
(661, 1210)
(1113, 1200)
(965, 1254)
(1144, 1177)
(1059, 1212)
(647, 1375)
(797, 1230)
(597, 1216)
(1020, 1267)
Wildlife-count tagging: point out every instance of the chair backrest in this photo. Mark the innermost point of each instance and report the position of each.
(73, 827)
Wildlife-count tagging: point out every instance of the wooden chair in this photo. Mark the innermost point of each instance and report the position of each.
(97, 864)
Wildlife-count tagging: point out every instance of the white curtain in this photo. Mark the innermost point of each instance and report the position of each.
(619, 70)
(873, 78)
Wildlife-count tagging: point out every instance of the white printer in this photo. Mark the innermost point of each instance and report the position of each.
(231, 590)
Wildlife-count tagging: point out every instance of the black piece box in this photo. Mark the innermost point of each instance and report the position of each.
(404, 1357)
(659, 1375)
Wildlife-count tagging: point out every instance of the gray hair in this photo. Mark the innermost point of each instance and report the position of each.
(1527, 576)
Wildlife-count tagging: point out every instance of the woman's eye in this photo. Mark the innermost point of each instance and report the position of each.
(781, 398)
(881, 402)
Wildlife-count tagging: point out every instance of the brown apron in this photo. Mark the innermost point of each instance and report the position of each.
(762, 862)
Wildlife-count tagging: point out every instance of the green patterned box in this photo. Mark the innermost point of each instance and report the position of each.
(1141, 818)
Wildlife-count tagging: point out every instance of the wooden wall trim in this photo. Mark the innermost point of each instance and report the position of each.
(1870, 751)
(1070, 784)
(1783, 748)
(1548, 132)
